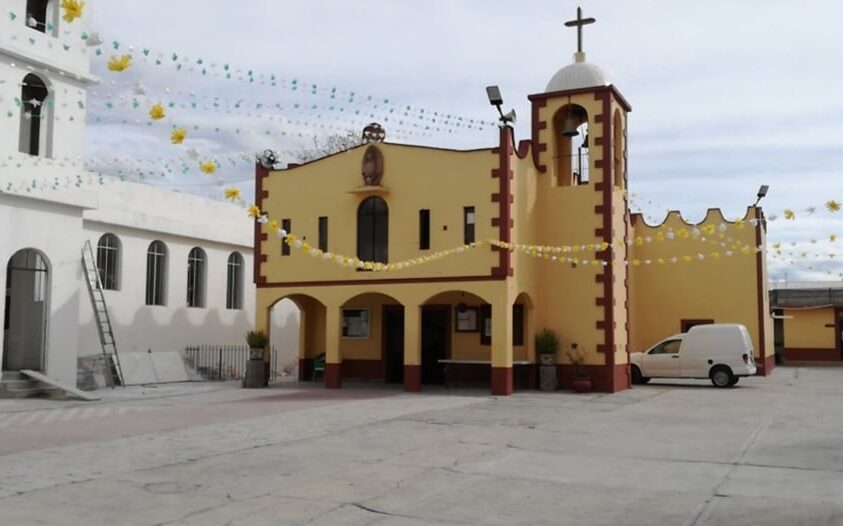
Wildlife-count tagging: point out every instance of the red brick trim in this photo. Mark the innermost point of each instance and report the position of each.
(504, 222)
(412, 378)
(363, 369)
(538, 97)
(502, 381)
(811, 354)
(760, 285)
(603, 379)
(260, 174)
(397, 281)
(333, 375)
(538, 125)
(767, 365)
(607, 325)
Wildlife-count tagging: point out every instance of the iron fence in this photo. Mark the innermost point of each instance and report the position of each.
(225, 362)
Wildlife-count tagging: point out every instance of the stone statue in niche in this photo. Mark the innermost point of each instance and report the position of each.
(372, 167)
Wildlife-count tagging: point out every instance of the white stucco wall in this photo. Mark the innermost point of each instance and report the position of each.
(140, 214)
(56, 231)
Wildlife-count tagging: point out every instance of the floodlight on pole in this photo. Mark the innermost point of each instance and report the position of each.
(762, 193)
(496, 100)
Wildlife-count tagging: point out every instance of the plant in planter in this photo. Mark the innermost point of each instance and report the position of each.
(547, 345)
(582, 382)
(257, 341)
(256, 367)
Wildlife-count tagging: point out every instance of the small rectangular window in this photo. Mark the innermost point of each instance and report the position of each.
(518, 324)
(424, 229)
(468, 222)
(323, 234)
(285, 248)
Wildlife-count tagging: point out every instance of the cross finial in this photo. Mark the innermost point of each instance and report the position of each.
(579, 23)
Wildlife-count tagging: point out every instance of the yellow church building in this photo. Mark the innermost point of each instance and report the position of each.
(420, 265)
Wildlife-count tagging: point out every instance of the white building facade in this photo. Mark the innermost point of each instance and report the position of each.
(176, 268)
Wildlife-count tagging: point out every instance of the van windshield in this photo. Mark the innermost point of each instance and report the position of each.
(668, 347)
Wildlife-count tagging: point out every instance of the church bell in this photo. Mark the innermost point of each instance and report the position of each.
(570, 129)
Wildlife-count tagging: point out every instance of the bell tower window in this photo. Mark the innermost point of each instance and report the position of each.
(35, 123)
(40, 15)
(571, 159)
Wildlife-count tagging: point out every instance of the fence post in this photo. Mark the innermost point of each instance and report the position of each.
(219, 373)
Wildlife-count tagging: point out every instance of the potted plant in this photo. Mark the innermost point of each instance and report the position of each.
(547, 345)
(256, 371)
(582, 382)
(257, 341)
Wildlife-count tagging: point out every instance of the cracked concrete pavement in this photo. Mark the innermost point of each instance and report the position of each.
(767, 452)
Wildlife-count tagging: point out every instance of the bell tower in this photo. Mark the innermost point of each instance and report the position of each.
(579, 150)
(44, 72)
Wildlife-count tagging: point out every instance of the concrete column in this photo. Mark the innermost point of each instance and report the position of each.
(502, 348)
(412, 348)
(333, 359)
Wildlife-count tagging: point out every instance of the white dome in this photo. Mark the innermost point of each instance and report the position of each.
(578, 75)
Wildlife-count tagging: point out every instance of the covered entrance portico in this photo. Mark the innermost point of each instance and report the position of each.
(463, 336)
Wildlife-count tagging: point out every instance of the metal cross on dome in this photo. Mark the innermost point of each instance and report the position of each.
(579, 23)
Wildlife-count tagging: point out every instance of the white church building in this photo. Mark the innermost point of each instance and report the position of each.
(175, 269)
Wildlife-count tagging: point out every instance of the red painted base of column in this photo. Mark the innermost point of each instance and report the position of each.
(604, 379)
(766, 366)
(412, 378)
(333, 378)
(502, 381)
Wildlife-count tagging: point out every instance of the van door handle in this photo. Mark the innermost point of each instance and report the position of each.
(675, 356)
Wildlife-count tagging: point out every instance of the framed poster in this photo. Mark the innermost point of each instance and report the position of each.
(467, 320)
(355, 324)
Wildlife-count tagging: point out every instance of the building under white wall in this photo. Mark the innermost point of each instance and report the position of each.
(177, 268)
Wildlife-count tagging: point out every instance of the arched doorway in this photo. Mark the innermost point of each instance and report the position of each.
(372, 339)
(27, 311)
(456, 339)
(297, 332)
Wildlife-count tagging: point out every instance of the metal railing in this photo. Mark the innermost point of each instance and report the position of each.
(225, 362)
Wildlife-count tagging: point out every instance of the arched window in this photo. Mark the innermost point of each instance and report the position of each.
(234, 283)
(373, 230)
(570, 126)
(108, 261)
(196, 278)
(40, 15)
(35, 124)
(156, 273)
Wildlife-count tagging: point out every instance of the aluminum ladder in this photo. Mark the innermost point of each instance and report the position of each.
(103, 321)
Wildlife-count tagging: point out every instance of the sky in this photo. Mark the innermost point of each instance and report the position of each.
(726, 95)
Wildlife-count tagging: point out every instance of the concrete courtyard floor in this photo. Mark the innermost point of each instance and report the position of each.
(767, 452)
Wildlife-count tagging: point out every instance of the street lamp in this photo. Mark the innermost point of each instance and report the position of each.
(762, 193)
(495, 99)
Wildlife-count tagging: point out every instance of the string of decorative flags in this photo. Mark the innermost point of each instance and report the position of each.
(261, 109)
(120, 57)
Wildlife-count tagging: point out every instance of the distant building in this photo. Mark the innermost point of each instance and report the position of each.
(176, 269)
(808, 322)
(608, 285)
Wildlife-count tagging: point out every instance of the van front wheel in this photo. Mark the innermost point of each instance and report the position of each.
(721, 376)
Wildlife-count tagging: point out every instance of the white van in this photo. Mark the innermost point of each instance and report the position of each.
(721, 352)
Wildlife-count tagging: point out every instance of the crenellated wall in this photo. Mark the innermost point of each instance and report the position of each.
(728, 286)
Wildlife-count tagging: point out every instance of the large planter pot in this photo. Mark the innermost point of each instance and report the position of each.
(582, 385)
(255, 353)
(255, 374)
(547, 359)
(548, 380)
